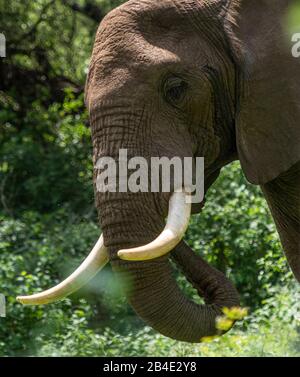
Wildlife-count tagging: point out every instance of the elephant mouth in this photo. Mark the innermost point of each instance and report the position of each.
(175, 228)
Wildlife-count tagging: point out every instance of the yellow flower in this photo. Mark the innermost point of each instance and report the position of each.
(208, 339)
(235, 313)
(224, 323)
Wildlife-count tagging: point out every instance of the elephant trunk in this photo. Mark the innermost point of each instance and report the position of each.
(157, 299)
(129, 220)
(152, 290)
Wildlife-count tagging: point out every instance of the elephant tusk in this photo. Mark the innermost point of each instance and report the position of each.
(96, 260)
(177, 223)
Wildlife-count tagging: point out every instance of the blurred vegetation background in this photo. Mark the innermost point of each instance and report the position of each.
(48, 221)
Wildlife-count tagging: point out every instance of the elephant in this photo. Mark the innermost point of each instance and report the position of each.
(189, 78)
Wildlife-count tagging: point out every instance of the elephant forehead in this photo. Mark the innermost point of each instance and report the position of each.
(133, 60)
(114, 74)
(146, 10)
(137, 58)
(140, 40)
(135, 25)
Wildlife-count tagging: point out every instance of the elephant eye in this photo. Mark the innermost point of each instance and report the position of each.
(175, 90)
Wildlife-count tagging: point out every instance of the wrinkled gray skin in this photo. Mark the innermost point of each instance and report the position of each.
(194, 78)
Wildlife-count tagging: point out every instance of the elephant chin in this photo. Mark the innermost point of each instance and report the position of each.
(155, 296)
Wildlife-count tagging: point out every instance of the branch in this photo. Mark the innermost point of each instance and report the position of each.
(29, 82)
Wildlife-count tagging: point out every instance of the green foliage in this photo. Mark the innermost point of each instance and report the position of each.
(53, 150)
(48, 220)
(50, 28)
(293, 18)
(236, 234)
(281, 338)
(38, 250)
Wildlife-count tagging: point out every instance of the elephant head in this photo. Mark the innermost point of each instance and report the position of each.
(178, 78)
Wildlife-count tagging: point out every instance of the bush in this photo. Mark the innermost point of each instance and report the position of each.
(279, 337)
(48, 221)
(236, 234)
(37, 250)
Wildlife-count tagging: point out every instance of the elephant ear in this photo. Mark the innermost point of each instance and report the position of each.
(268, 118)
